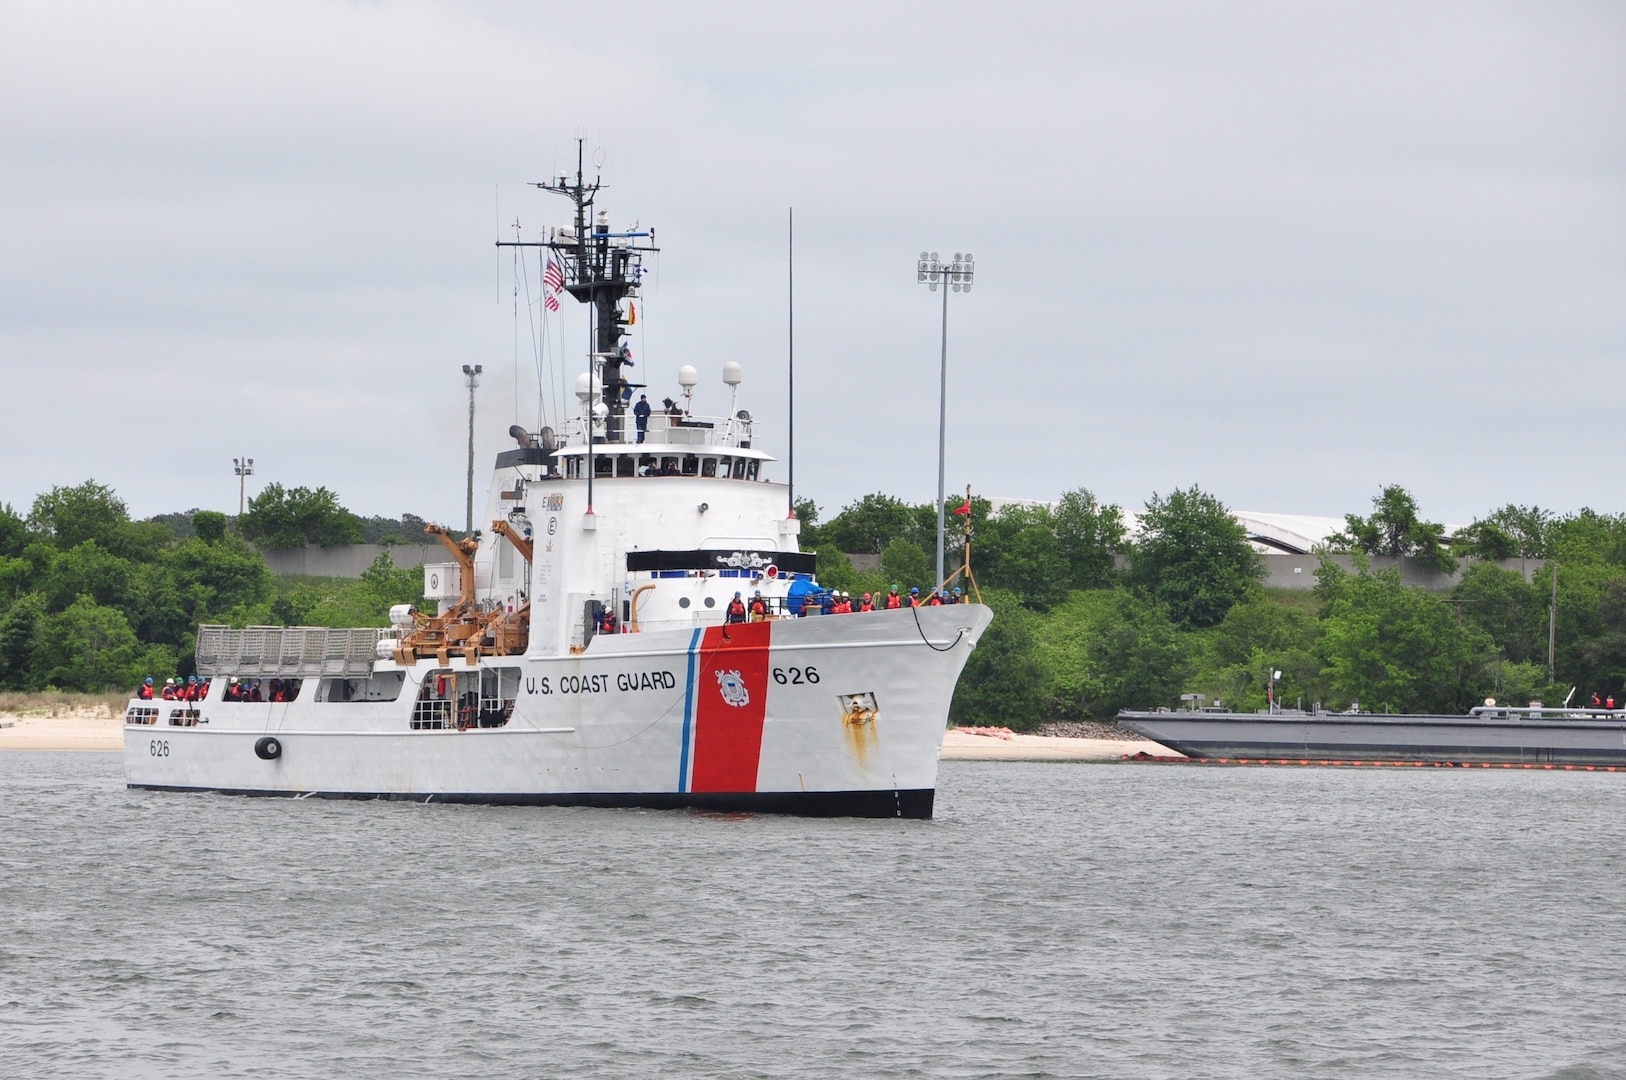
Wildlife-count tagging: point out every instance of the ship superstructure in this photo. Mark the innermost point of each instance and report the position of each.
(581, 650)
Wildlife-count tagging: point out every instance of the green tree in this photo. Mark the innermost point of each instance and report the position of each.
(1138, 658)
(1507, 607)
(904, 563)
(279, 519)
(87, 647)
(366, 602)
(69, 516)
(1193, 557)
(209, 525)
(811, 534)
(869, 525)
(1089, 537)
(1400, 649)
(19, 632)
(13, 532)
(1396, 528)
(1003, 683)
(1031, 564)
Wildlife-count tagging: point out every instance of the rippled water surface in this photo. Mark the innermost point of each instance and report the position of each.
(1054, 920)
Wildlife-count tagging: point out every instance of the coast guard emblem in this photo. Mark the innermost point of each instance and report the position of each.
(733, 688)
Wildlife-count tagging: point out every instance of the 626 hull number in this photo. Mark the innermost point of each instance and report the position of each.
(158, 748)
(795, 676)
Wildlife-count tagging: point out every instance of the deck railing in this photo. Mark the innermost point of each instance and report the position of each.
(287, 651)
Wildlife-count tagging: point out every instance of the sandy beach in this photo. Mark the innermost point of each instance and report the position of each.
(997, 744)
(85, 729)
(79, 729)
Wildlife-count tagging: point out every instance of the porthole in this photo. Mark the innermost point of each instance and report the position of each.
(683, 601)
(711, 601)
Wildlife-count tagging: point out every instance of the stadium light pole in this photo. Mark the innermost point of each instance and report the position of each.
(472, 376)
(932, 272)
(245, 469)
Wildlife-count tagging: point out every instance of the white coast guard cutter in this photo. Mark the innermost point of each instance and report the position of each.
(510, 692)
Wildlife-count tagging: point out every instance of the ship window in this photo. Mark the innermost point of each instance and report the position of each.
(711, 601)
(691, 465)
(624, 465)
(141, 714)
(669, 466)
(683, 601)
(383, 686)
(603, 466)
(751, 469)
(708, 466)
(646, 465)
(499, 687)
(183, 717)
(573, 468)
(739, 468)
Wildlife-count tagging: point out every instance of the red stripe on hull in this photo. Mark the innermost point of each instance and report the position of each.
(732, 688)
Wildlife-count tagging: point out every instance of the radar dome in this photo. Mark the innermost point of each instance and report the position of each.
(587, 384)
(733, 374)
(688, 377)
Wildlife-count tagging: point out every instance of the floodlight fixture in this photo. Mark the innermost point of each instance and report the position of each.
(932, 271)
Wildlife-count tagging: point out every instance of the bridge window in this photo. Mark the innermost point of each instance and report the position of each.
(691, 465)
(751, 469)
(626, 465)
(708, 466)
(573, 468)
(603, 466)
(739, 468)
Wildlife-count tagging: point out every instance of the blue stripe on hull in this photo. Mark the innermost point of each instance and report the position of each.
(688, 712)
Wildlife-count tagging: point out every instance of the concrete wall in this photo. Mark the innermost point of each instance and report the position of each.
(1298, 571)
(350, 560)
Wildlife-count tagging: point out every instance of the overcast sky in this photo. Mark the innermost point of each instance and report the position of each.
(1287, 252)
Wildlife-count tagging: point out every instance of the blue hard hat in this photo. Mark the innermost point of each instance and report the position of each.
(956, 592)
(736, 594)
(914, 588)
(191, 678)
(149, 680)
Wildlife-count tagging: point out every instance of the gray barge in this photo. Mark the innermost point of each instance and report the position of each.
(1496, 734)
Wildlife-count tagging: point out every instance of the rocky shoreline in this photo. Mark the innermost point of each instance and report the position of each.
(1088, 729)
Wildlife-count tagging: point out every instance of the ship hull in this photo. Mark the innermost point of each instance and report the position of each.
(1386, 738)
(833, 716)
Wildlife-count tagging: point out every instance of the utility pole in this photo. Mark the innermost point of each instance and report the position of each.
(471, 375)
(957, 275)
(1552, 628)
(245, 469)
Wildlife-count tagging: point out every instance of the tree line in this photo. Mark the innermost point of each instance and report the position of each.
(1092, 620)
(91, 599)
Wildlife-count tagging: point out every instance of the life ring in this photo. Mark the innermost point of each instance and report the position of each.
(268, 748)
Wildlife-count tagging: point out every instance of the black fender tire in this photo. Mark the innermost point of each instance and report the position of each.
(268, 748)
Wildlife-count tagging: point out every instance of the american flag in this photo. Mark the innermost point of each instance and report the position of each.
(553, 280)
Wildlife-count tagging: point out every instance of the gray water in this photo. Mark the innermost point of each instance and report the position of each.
(1054, 920)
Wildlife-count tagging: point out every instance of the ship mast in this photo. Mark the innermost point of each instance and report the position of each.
(601, 268)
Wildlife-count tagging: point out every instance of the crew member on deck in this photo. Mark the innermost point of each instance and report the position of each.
(865, 603)
(759, 607)
(640, 416)
(736, 609)
(893, 600)
(145, 691)
(606, 622)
